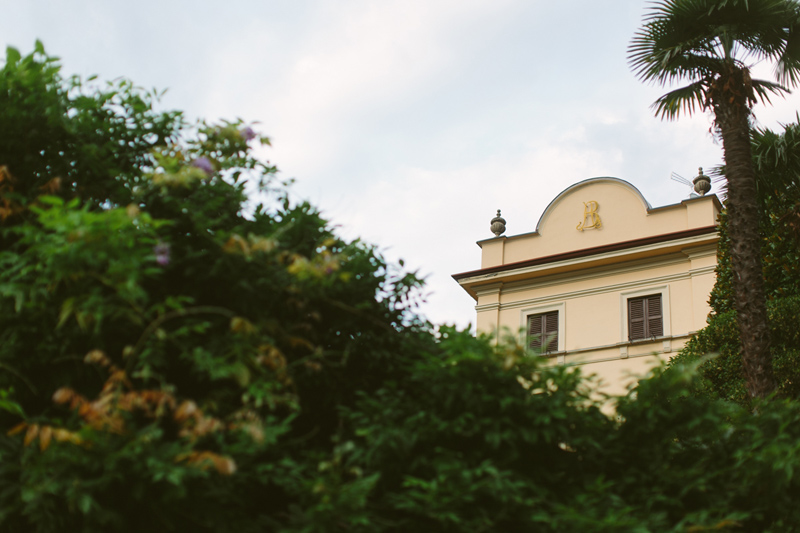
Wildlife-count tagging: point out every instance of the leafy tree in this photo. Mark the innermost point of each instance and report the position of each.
(154, 329)
(708, 43)
(776, 157)
(172, 359)
(88, 142)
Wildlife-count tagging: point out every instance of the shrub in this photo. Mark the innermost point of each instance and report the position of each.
(172, 358)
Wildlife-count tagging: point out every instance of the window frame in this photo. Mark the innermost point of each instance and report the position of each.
(528, 312)
(625, 297)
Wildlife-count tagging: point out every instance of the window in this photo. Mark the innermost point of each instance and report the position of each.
(645, 318)
(543, 332)
(542, 327)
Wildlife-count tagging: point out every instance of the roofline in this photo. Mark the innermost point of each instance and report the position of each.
(664, 237)
(692, 200)
(650, 209)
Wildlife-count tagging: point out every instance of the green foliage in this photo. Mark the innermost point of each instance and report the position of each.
(704, 41)
(172, 360)
(777, 160)
(717, 348)
(94, 139)
(712, 44)
(157, 337)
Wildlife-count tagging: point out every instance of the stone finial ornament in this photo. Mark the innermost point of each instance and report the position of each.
(498, 225)
(702, 183)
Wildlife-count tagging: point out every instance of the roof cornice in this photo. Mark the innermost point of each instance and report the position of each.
(655, 239)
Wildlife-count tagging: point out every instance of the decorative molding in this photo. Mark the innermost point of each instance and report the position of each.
(684, 239)
(493, 288)
(565, 278)
(693, 272)
(618, 287)
(609, 359)
(699, 252)
(624, 348)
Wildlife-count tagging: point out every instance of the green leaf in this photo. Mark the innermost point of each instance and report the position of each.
(85, 503)
(12, 55)
(51, 200)
(66, 311)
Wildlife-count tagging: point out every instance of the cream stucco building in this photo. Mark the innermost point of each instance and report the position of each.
(605, 281)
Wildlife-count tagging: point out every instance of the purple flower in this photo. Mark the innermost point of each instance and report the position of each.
(247, 133)
(162, 253)
(203, 164)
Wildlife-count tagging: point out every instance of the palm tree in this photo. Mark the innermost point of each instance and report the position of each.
(712, 44)
(776, 157)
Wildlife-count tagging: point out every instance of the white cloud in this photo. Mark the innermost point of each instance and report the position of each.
(407, 122)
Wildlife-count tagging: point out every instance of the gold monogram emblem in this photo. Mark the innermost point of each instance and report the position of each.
(590, 217)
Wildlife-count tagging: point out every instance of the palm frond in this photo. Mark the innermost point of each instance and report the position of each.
(787, 66)
(671, 46)
(776, 158)
(685, 100)
(689, 40)
(759, 27)
(717, 173)
(763, 89)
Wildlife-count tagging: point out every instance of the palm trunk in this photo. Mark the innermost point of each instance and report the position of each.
(748, 280)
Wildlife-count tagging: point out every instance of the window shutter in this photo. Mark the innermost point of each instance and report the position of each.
(543, 332)
(636, 323)
(645, 318)
(551, 331)
(535, 332)
(655, 323)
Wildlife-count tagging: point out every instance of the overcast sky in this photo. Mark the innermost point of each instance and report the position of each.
(408, 123)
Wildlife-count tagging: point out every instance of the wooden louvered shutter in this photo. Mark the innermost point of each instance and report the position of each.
(535, 332)
(655, 323)
(551, 331)
(543, 332)
(645, 318)
(636, 322)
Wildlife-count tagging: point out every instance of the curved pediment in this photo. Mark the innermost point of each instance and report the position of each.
(590, 196)
(598, 212)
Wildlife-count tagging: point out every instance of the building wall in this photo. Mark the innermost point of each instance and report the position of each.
(587, 274)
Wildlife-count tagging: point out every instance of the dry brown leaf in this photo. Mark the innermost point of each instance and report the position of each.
(51, 186)
(19, 428)
(236, 244)
(186, 410)
(62, 435)
(45, 435)
(63, 395)
(30, 435)
(96, 357)
(224, 465)
(242, 325)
